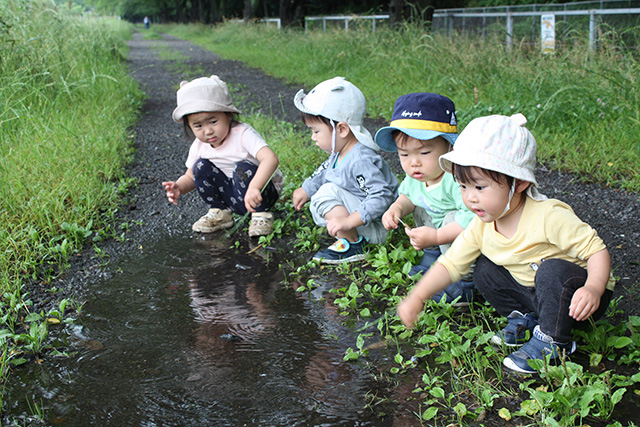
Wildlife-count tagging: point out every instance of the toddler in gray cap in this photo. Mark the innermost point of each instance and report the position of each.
(350, 191)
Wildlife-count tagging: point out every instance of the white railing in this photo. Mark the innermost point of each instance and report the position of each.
(345, 18)
(261, 20)
(508, 15)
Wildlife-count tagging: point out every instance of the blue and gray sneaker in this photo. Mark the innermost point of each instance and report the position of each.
(540, 345)
(428, 257)
(518, 331)
(460, 294)
(342, 251)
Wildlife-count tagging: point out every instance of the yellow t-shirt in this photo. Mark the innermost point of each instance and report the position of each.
(547, 229)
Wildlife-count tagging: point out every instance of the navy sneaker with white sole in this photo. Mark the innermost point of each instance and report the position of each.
(539, 346)
(342, 251)
(518, 331)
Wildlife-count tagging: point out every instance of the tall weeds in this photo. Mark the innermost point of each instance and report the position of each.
(66, 104)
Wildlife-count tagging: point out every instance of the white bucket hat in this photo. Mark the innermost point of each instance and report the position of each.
(497, 143)
(341, 101)
(208, 94)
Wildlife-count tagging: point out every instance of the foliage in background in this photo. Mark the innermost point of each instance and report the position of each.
(583, 108)
(217, 10)
(67, 104)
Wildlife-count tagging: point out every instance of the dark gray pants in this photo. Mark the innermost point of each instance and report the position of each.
(555, 283)
(221, 192)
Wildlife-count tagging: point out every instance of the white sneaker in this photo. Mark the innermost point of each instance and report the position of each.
(261, 224)
(214, 220)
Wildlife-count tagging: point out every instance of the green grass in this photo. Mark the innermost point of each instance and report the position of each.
(583, 108)
(67, 105)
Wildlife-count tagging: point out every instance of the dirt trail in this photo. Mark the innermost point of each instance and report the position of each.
(161, 152)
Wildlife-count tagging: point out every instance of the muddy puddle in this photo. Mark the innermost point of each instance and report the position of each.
(191, 332)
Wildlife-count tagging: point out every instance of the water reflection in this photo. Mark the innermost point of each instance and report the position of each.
(191, 332)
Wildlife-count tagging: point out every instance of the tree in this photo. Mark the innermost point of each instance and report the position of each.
(291, 13)
(399, 12)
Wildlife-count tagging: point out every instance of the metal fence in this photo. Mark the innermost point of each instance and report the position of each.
(520, 22)
(523, 22)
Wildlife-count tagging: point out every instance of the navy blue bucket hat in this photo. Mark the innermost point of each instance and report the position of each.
(422, 116)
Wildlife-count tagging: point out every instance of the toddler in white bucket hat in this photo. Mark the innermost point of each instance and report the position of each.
(350, 191)
(538, 264)
(229, 163)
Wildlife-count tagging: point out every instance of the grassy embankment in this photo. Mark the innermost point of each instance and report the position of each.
(67, 104)
(585, 112)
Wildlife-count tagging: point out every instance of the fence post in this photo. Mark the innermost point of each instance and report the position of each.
(346, 23)
(509, 31)
(373, 25)
(324, 25)
(533, 26)
(592, 30)
(484, 22)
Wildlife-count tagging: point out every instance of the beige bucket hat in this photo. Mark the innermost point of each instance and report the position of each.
(203, 94)
(498, 143)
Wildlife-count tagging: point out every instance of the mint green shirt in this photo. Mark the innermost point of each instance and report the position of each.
(438, 200)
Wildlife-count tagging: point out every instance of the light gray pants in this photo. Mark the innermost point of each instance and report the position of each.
(422, 218)
(329, 196)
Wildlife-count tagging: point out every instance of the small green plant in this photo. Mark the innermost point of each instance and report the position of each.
(602, 340)
(570, 396)
(633, 356)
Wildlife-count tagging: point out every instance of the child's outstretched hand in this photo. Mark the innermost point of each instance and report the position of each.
(173, 191)
(409, 309)
(300, 197)
(390, 218)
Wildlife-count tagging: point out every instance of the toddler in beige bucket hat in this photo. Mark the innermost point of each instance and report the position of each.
(229, 163)
(203, 94)
(540, 266)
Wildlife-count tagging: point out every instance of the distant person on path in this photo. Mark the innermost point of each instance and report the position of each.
(229, 163)
(146, 22)
(423, 127)
(538, 264)
(350, 190)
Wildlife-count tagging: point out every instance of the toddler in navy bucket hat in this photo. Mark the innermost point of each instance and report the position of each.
(424, 127)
